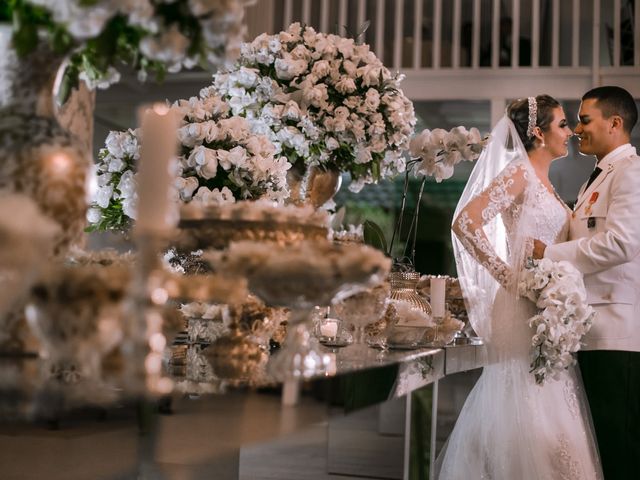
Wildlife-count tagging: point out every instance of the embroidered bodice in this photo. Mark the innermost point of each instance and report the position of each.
(547, 221)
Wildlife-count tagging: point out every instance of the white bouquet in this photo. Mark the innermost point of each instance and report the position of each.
(564, 316)
(323, 100)
(440, 151)
(220, 161)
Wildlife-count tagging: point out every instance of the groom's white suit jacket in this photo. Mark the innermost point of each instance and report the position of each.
(604, 244)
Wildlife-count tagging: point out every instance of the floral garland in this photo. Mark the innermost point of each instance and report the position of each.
(151, 36)
(220, 160)
(322, 100)
(564, 316)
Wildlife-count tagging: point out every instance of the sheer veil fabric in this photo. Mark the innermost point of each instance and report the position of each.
(510, 427)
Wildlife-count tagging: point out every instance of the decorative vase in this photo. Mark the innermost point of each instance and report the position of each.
(403, 288)
(38, 157)
(312, 185)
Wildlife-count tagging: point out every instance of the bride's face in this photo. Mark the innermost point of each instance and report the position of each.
(556, 138)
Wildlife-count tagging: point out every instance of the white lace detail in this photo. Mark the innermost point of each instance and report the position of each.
(504, 196)
(477, 241)
(566, 467)
(499, 198)
(571, 397)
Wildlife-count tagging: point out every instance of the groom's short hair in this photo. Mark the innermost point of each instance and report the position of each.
(613, 100)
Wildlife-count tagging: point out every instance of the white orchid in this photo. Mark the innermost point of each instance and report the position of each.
(440, 151)
(564, 316)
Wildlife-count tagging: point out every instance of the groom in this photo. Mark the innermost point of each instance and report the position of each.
(604, 244)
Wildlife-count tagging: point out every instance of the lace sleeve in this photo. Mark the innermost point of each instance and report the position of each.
(501, 196)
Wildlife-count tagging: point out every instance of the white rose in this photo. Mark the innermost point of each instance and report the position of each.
(350, 68)
(326, 47)
(246, 77)
(378, 144)
(331, 143)
(310, 36)
(320, 68)
(94, 215)
(169, 48)
(296, 29)
(205, 160)
(341, 113)
(345, 85)
(291, 111)
(372, 99)
(103, 196)
(127, 184)
(130, 207)
(301, 52)
(274, 45)
(316, 96)
(186, 187)
(116, 164)
(345, 46)
(103, 179)
(363, 154)
(370, 74)
(288, 68)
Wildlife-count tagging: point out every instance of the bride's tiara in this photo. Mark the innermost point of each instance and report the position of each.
(533, 115)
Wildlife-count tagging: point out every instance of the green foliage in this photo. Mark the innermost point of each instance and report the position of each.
(374, 236)
(113, 218)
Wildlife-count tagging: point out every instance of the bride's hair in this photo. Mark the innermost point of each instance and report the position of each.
(518, 112)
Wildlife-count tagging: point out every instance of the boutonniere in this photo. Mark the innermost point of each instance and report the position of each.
(592, 199)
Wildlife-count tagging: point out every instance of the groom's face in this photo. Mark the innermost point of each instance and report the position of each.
(592, 129)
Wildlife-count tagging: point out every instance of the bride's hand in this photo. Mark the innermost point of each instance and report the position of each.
(538, 249)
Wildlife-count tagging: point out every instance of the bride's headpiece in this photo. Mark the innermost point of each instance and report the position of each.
(533, 115)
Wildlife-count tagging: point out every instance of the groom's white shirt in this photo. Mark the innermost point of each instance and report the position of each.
(604, 244)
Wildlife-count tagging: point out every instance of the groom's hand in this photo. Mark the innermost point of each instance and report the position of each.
(538, 249)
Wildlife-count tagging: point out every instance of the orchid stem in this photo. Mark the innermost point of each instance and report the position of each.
(414, 222)
(398, 228)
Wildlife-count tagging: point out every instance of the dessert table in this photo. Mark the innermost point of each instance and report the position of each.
(193, 435)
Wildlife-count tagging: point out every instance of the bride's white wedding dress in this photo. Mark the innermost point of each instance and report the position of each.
(511, 428)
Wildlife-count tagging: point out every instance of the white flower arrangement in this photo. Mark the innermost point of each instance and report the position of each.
(220, 161)
(323, 100)
(439, 151)
(434, 153)
(564, 316)
(149, 35)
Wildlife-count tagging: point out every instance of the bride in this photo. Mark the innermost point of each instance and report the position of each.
(510, 427)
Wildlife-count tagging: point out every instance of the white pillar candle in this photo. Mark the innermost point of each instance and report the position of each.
(156, 212)
(438, 286)
(329, 328)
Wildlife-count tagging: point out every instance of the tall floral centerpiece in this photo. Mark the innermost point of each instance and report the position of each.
(90, 40)
(220, 161)
(150, 36)
(324, 101)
